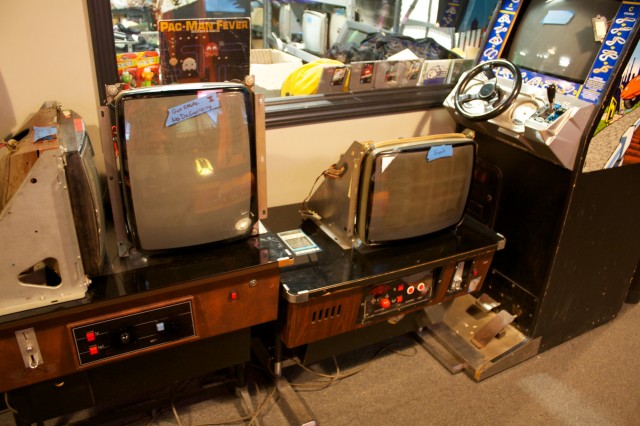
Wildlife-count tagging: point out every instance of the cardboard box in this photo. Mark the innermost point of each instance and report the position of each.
(271, 68)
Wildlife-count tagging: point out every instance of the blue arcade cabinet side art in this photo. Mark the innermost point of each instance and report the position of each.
(615, 142)
(562, 202)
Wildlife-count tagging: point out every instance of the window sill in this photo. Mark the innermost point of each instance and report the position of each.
(297, 110)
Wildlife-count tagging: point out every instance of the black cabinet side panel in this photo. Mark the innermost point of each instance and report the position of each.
(597, 256)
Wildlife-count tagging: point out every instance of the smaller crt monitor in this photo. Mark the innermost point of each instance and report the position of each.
(384, 192)
(289, 26)
(188, 158)
(315, 31)
(354, 33)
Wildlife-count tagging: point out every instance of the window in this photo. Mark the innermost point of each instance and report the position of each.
(378, 56)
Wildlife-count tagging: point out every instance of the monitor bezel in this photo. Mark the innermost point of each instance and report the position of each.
(256, 126)
(402, 145)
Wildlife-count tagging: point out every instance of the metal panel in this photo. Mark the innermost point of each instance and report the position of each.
(37, 223)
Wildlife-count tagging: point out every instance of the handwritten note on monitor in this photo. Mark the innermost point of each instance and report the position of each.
(193, 108)
(442, 151)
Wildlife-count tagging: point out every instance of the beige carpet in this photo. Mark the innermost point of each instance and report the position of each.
(593, 379)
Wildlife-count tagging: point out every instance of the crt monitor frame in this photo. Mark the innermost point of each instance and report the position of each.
(114, 166)
(338, 205)
(315, 28)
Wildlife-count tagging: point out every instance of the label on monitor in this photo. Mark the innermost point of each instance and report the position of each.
(441, 151)
(194, 108)
(298, 242)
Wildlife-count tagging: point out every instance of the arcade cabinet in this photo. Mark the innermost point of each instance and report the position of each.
(544, 102)
(187, 271)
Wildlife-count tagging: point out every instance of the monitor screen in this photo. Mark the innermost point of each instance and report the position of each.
(556, 37)
(187, 159)
(414, 191)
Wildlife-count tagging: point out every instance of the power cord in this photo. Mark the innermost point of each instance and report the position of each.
(333, 378)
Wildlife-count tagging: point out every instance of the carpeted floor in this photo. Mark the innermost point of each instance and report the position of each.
(593, 379)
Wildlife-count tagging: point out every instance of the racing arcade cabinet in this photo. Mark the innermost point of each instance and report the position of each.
(543, 101)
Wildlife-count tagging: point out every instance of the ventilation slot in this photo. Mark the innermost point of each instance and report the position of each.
(326, 313)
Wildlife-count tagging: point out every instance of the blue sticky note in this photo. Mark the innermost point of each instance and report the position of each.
(192, 109)
(442, 151)
(557, 17)
(44, 133)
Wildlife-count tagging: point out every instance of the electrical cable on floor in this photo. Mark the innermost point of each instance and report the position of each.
(175, 414)
(9, 407)
(250, 419)
(323, 384)
(262, 405)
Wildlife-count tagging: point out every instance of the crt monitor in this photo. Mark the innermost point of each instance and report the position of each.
(354, 33)
(556, 38)
(189, 166)
(383, 192)
(315, 31)
(289, 25)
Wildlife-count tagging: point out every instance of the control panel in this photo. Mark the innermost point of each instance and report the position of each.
(397, 295)
(548, 114)
(539, 120)
(124, 334)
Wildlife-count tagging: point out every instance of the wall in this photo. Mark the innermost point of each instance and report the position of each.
(46, 54)
(297, 155)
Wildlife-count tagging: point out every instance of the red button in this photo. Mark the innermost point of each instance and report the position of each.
(91, 336)
(399, 299)
(234, 295)
(410, 289)
(401, 287)
(385, 303)
(93, 350)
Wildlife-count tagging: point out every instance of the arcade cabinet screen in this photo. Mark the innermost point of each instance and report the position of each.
(188, 168)
(556, 37)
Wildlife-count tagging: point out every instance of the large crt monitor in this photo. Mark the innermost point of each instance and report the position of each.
(189, 164)
(394, 190)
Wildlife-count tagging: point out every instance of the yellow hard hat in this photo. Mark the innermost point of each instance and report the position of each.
(305, 79)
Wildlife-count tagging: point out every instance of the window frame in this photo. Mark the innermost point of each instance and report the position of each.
(280, 112)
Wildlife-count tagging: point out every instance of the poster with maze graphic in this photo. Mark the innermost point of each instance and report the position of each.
(204, 50)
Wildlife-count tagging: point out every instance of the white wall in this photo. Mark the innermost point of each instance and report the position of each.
(297, 155)
(46, 55)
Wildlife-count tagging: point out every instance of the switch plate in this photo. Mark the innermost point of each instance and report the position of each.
(29, 349)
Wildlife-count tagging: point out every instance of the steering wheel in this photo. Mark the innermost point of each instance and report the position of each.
(494, 98)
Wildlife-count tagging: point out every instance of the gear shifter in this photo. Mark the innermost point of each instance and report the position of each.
(551, 96)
